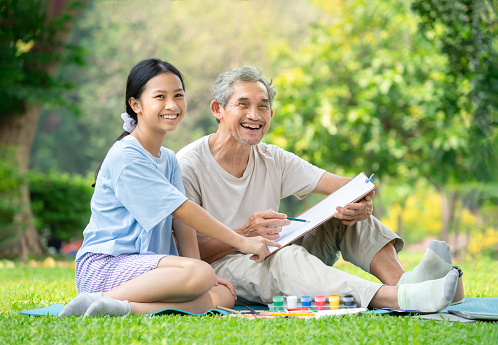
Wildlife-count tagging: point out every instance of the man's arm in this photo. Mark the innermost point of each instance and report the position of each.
(329, 183)
(212, 250)
(350, 213)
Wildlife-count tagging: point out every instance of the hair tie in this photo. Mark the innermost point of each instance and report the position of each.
(129, 123)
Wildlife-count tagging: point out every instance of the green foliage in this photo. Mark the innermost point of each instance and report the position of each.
(374, 93)
(28, 288)
(370, 93)
(30, 46)
(61, 203)
(467, 33)
(25, 19)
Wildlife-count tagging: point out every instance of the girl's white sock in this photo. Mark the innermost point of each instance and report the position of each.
(435, 264)
(108, 306)
(78, 305)
(428, 296)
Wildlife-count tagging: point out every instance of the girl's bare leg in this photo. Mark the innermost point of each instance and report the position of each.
(177, 282)
(217, 296)
(176, 279)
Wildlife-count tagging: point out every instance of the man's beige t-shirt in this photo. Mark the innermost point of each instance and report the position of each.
(271, 174)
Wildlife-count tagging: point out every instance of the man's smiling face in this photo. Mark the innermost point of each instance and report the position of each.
(248, 113)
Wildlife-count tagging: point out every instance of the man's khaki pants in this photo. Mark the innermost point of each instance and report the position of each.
(304, 268)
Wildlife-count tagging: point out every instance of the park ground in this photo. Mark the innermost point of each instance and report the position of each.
(38, 284)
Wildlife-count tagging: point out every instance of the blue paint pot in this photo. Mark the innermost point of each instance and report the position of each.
(306, 301)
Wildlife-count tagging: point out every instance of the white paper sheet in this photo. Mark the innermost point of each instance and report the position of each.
(322, 211)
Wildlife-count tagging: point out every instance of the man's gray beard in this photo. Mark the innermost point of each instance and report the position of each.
(247, 143)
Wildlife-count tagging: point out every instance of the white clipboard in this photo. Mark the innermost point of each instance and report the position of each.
(322, 211)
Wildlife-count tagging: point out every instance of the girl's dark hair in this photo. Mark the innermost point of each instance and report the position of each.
(137, 79)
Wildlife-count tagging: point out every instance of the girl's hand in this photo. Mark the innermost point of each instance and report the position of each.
(257, 246)
(221, 281)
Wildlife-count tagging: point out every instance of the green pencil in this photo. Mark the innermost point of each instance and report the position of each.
(298, 220)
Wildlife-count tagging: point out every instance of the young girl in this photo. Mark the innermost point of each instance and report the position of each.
(129, 261)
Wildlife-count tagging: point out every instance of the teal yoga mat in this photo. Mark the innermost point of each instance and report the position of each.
(476, 304)
(55, 309)
(482, 305)
(478, 308)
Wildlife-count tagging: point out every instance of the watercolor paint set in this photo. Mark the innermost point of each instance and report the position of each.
(299, 313)
(333, 302)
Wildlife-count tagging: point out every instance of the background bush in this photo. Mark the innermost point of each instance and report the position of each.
(61, 203)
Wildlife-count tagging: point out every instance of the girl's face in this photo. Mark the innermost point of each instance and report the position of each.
(162, 104)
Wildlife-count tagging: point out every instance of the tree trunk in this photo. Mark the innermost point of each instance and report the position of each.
(17, 133)
(448, 201)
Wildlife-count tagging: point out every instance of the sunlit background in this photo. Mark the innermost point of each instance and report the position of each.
(403, 89)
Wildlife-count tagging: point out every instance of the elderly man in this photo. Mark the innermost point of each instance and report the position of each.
(240, 181)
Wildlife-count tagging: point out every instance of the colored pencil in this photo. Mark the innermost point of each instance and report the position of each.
(272, 313)
(298, 220)
(252, 310)
(228, 309)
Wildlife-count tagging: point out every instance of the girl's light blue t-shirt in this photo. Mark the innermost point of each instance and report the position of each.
(134, 197)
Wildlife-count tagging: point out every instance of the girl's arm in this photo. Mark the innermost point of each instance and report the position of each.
(186, 239)
(196, 217)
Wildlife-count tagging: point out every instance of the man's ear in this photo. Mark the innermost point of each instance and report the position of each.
(271, 113)
(217, 109)
(135, 105)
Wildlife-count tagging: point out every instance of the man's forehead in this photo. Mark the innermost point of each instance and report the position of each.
(249, 90)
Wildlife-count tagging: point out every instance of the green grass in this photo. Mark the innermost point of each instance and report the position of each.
(29, 287)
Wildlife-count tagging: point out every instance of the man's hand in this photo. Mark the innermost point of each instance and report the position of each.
(352, 213)
(267, 224)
